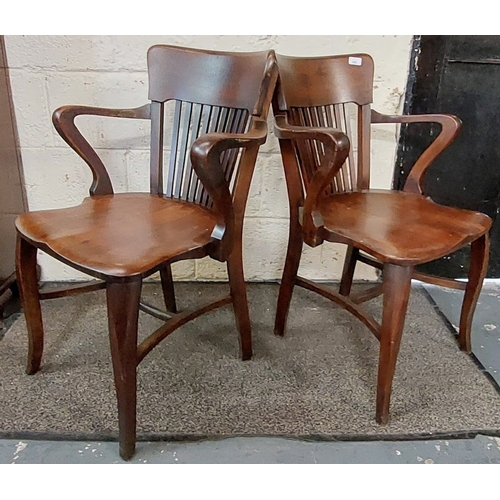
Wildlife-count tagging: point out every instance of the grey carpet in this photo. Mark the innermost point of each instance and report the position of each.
(318, 381)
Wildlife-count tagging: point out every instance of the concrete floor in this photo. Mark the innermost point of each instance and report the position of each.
(481, 449)
(486, 331)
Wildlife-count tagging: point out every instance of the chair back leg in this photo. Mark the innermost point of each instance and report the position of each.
(167, 286)
(290, 271)
(478, 267)
(351, 259)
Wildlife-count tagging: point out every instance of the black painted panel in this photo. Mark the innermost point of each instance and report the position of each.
(473, 47)
(467, 175)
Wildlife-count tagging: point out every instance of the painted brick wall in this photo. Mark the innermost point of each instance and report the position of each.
(110, 71)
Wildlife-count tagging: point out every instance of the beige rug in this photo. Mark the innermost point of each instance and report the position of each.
(318, 382)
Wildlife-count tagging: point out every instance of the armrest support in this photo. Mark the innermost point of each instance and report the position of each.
(63, 119)
(336, 149)
(206, 160)
(450, 126)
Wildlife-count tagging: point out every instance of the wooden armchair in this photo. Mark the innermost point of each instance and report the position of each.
(315, 104)
(194, 209)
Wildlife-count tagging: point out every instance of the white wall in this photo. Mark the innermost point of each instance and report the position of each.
(110, 71)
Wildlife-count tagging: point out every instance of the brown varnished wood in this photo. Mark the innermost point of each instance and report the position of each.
(93, 238)
(201, 76)
(477, 272)
(295, 240)
(327, 170)
(364, 147)
(206, 155)
(343, 301)
(370, 261)
(7, 283)
(351, 259)
(123, 317)
(64, 122)
(368, 294)
(439, 281)
(167, 286)
(450, 127)
(335, 145)
(350, 165)
(288, 279)
(312, 151)
(239, 298)
(426, 278)
(177, 320)
(155, 312)
(319, 81)
(368, 220)
(397, 285)
(195, 207)
(27, 280)
(156, 153)
(69, 290)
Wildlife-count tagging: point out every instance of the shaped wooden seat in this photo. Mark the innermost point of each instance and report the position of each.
(421, 231)
(93, 238)
(195, 207)
(323, 116)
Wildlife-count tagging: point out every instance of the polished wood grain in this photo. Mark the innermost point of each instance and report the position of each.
(69, 290)
(180, 319)
(195, 206)
(421, 231)
(450, 127)
(167, 286)
(63, 119)
(477, 272)
(27, 280)
(397, 286)
(323, 120)
(93, 238)
(123, 318)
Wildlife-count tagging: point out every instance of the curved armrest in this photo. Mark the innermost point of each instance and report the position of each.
(63, 119)
(450, 126)
(336, 146)
(206, 160)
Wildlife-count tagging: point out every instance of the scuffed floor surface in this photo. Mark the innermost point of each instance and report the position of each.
(481, 450)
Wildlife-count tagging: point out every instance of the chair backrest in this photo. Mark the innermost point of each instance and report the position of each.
(332, 91)
(199, 92)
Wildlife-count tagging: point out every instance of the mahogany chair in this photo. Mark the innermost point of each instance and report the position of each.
(195, 209)
(321, 106)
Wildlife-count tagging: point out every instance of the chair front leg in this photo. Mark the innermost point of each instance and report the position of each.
(292, 262)
(397, 286)
(123, 315)
(240, 301)
(478, 268)
(27, 279)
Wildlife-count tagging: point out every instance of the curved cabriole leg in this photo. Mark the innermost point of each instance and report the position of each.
(479, 256)
(240, 302)
(123, 314)
(351, 258)
(167, 286)
(27, 279)
(397, 286)
(290, 271)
